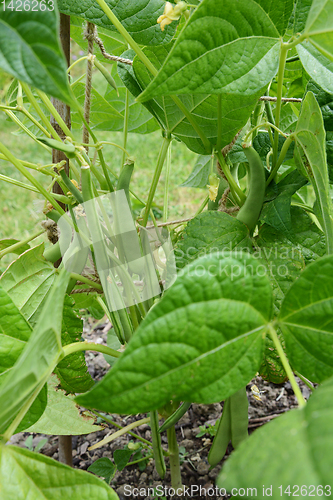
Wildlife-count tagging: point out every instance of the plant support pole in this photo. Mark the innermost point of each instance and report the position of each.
(65, 442)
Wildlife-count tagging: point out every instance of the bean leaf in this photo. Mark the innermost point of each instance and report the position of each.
(203, 337)
(225, 47)
(139, 18)
(45, 478)
(306, 319)
(30, 50)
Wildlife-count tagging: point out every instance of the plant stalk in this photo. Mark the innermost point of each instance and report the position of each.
(286, 366)
(282, 63)
(157, 444)
(160, 161)
(19, 244)
(89, 346)
(119, 433)
(176, 479)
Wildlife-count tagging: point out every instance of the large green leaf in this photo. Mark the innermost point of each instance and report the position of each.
(293, 450)
(72, 370)
(306, 319)
(271, 368)
(25, 475)
(211, 232)
(139, 18)
(28, 280)
(200, 173)
(226, 47)
(62, 416)
(276, 212)
(306, 237)
(235, 108)
(205, 337)
(302, 8)
(319, 27)
(284, 262)
(15, 331)
(317, 66)
(38, 358)
(140, 120)
(107, 112)
(30, 50)
(310, 136)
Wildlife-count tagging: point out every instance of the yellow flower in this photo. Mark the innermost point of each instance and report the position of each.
(171, 13)
(213, 186)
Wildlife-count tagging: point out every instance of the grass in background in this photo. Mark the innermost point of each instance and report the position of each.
(21, 209)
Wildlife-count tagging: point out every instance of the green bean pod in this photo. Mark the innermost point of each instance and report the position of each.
(106, 74)
(232, 427)
(68, 149)
(175, 417)
(53, 253)
(70, 186)
(222, 437)
(125, 178)
(157, 445)
(239, 417)
(101, 257)
(250, 211)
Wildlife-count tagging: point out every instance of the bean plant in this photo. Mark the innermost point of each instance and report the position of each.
(243, 288)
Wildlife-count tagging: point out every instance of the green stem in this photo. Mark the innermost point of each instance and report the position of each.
(157, 444)
(79, 277)
(125, 130)
(69, 69)
(18, 122)
(34, 166)
(166, 185)
(235, 189)
(120, 322)
(140, 460)
(58, 197)
(176, 479)
(95, 172)
(109, 421)
(256, 117)
(55, 114)
(191, 119)
(89, 346)
(100, 143)
(160, 161)
(19, 244)
(269, 112)
(100, 155)
(119, 433)
(34, 121)
(266, 125)
(305, 380)
(286, 366)
(282, 63)
(282, 156)
(39, 111)
(31, 178)
(106, 9)
(202, 206)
